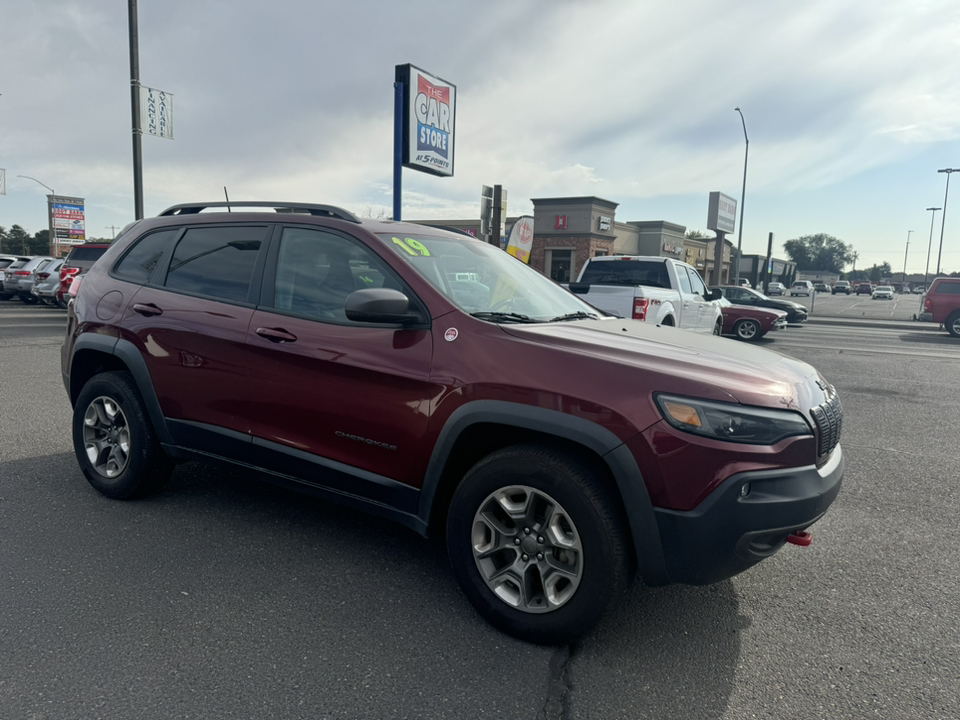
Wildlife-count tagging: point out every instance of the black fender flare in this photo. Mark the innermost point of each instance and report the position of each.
(131, 357)
(608, 447)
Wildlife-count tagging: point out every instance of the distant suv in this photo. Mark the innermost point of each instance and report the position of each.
(942, 303)
(433, 379)
(841, 286)
(864, 289)
(802, 287)
(80, 259)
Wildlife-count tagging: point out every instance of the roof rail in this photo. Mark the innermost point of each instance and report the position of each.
(280, 207)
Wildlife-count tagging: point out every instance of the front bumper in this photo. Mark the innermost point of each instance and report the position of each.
(730, 531)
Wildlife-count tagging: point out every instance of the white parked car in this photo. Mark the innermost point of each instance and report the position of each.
(882, 292)
(802, 287)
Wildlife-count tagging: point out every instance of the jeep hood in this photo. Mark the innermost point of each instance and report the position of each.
(725, 370)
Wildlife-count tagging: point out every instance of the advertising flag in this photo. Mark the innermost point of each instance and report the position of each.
(521, 238)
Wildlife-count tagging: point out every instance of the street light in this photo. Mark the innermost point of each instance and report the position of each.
(54, 245)
(926, 270)
(943, 218)
(743, 192)
(903, 278)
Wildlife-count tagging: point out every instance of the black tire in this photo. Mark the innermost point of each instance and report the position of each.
(550, 585)
(114, 440)
(748, 330)
(953, 324)
(718, 328)
(28, 299)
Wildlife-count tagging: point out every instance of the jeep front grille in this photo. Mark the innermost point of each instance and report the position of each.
(829, 420)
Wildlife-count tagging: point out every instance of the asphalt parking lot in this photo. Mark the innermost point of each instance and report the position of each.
(224, 597)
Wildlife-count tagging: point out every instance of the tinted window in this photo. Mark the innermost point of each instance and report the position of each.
(90, 254)
(140, 260)
(316, 271)
(627, 272)
(217, 262)
(948, 288)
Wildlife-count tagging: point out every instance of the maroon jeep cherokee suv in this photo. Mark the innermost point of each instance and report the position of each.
(430, 378)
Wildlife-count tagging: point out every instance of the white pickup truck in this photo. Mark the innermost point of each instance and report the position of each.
(654, 289)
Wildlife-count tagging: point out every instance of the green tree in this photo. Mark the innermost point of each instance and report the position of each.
(696, 235)
(40, 243)
(820, 252)
(17, 241)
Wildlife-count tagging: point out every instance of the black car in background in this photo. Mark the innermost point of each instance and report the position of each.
(796, 313)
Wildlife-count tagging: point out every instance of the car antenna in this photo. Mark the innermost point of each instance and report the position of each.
(227, 197)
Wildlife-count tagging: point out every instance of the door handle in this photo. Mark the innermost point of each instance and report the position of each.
(148, 309)
(277, 335)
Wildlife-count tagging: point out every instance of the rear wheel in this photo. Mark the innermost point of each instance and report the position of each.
(747, 329)
(953, 324)
(537, 543)
(114, 440)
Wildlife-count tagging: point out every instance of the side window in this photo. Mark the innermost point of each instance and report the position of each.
(139, 261)
(317, 270)
(216, 262)
(696, 283)
(683, 279)
(949, 288)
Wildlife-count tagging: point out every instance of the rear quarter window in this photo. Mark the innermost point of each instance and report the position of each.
(948, 288)
(85, 254)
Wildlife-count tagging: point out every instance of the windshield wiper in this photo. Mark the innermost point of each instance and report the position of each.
(504, 317)
(579, 315)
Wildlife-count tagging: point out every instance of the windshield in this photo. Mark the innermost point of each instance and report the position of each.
(485, 281)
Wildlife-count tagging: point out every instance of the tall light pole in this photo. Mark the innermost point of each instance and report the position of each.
(743, 192)
(54, 245)
(943, 218)
(926, 270)
(903, 278)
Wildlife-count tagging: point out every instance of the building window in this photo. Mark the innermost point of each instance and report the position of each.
(559, 263)
(600, 252)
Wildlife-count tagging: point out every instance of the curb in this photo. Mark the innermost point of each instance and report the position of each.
(904, 324)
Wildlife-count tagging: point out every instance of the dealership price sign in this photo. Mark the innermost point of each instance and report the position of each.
(429, 117)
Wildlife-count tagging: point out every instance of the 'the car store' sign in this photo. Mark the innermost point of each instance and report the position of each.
(429, 112)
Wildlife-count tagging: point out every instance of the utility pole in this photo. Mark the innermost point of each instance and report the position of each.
(903, 278)
(113, 231)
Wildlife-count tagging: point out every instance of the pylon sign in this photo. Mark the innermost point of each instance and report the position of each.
(429, 120)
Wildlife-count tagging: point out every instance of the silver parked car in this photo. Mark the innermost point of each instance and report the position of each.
(47, 282)
(26, 275)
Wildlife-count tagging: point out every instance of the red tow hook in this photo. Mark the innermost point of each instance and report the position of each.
(801, 538)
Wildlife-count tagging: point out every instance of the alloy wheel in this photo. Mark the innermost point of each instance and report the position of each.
(106, 437)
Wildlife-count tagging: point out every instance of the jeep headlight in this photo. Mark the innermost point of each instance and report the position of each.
(733, 423)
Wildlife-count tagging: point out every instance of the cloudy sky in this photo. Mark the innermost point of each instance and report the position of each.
(851, 107)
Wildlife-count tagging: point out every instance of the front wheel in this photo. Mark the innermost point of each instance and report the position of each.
(953, 324)
(747, 330)
(114, 440)
(718, 327)
(537, 543)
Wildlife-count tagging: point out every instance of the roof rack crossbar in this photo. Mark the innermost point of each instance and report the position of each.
(280, 207)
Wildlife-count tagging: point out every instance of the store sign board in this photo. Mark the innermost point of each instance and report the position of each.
(67, 219)
(722, 213)
(429, 117)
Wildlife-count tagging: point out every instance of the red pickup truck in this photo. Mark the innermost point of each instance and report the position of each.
(942, 303)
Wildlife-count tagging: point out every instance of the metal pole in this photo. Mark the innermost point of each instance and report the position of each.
(51, 230)
(397, 147)
(943, 218)
(926, 270)
(743, 193)
(135, 109)
(903, 279)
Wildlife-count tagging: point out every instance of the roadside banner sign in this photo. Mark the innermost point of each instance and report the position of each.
(3, 181)
(156, 112)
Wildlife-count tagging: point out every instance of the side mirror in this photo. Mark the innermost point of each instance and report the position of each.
(714, 294)
(380, 305)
